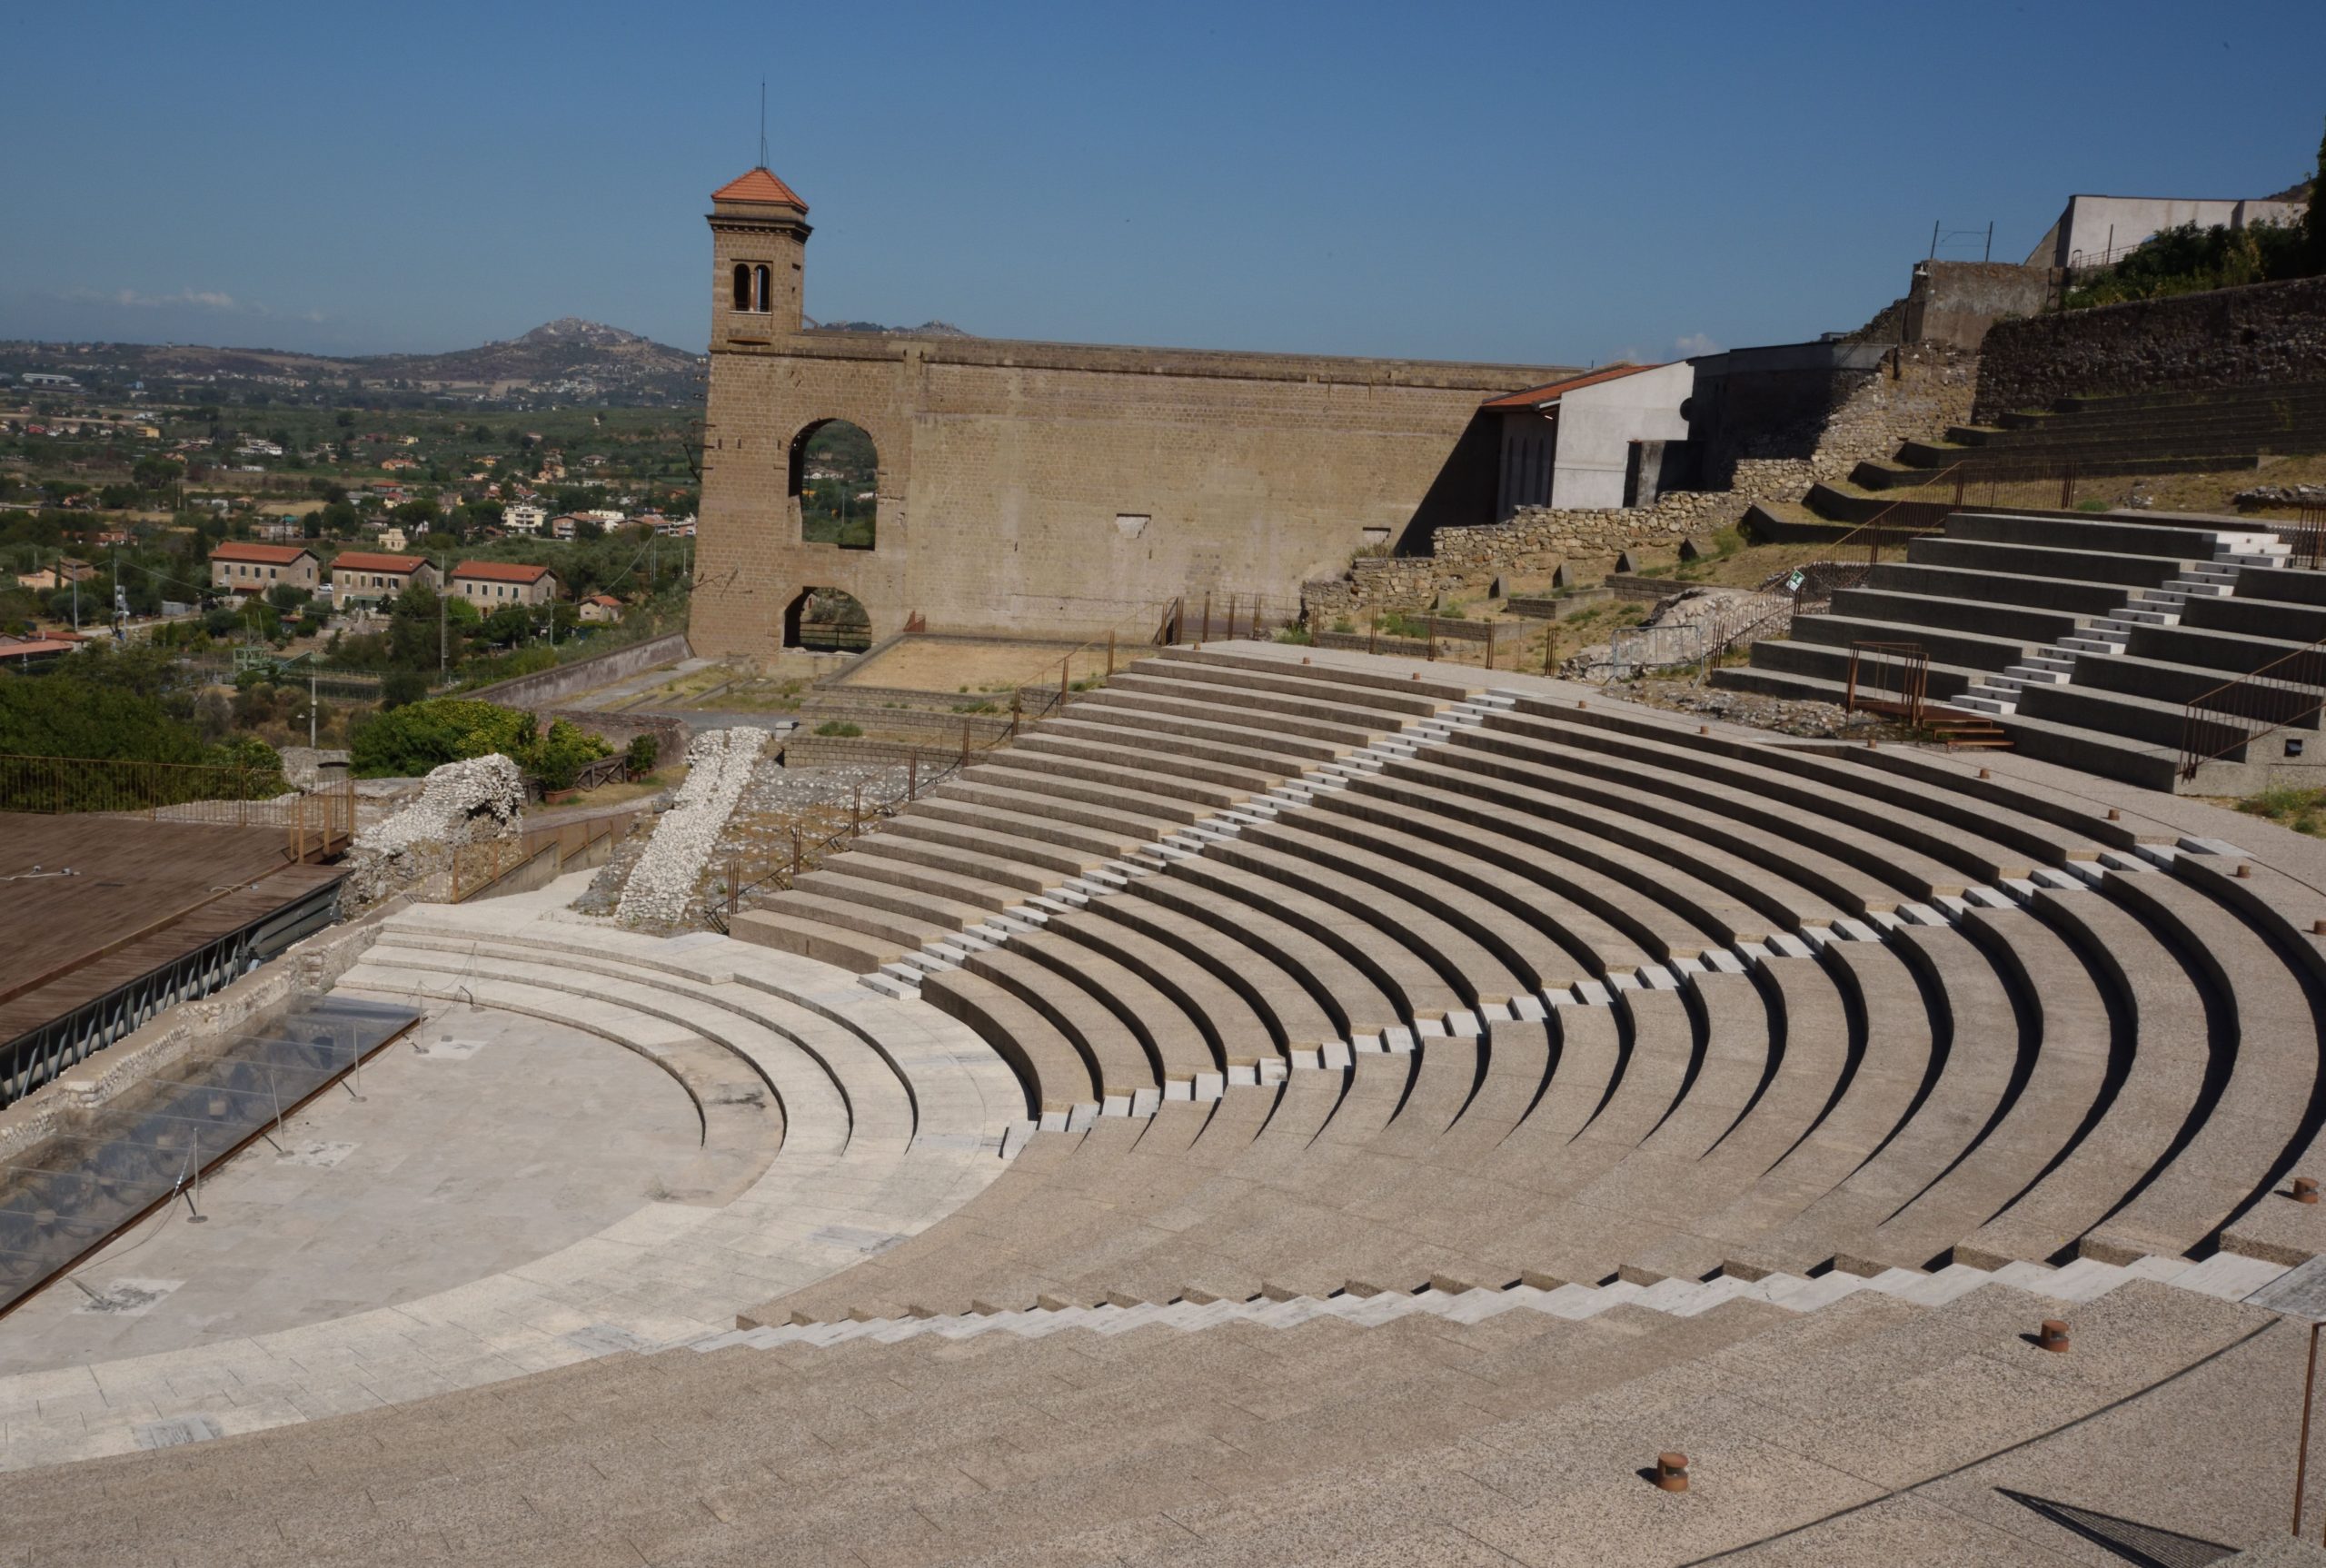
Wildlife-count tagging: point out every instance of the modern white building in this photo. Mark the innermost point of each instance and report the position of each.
(523, 518)
(2093, 230)
(1591, 442)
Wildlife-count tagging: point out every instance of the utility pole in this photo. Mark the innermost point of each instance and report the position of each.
(444, 589)
(310, 710)
(76, 593)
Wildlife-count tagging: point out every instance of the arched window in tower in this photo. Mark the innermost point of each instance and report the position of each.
(760, 295)
(835, 476)
(742, 286)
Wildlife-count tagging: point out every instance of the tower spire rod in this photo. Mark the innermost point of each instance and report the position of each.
(762, 122)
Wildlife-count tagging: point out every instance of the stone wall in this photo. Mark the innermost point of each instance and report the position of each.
(1535, 540)
(1955, 303)
(2262, 334)
(1041, 486)
(1918, 391)
(548, 688)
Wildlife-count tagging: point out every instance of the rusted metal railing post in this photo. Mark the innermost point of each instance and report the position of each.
(1231, 617)
(856, 811)
(1206, 617)
(912, 777)
(1431, 646)
(1489, 645)
(734, 887)
(795, 851)
(1551, 649)
(1372, 634)
(1016, 708)
(1064, 666)
(965, 733)
(1110, 653)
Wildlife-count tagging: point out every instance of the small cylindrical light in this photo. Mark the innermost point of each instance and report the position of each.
(1873, 745)
(2244, 870)
(1304, 658)
(2052, 1336)
(1986, 773)
(2318, 927)
(2305, 1189)
(1704, 729)
(2114, 815)
(1672, 1472)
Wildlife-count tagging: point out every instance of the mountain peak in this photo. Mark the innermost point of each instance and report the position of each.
(574, 330)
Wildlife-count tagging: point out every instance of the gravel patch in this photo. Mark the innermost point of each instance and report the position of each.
(661, 884)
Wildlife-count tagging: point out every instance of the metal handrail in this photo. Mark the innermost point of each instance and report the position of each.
(2288, 690)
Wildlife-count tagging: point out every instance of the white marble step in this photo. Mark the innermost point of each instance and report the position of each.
(2226, 1275)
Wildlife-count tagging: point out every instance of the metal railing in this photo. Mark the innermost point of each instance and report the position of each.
(311, 824)
(2285, 691)
(1888, 678)
(2307, 538)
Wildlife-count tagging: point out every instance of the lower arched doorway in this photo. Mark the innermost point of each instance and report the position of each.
(827, 620)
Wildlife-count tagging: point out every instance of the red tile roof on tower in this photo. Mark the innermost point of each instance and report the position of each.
(265, 554)
(759, 185)
(500, 572)
(1535, 397)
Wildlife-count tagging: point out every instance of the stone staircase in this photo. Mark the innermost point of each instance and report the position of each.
(2160, 606)
(2226, 1276)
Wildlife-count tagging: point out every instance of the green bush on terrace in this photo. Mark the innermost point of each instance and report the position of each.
(410, 740)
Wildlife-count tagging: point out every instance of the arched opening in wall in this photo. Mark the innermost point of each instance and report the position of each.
(762, 298)
(742, 286)
(827, 620)
(835, 475)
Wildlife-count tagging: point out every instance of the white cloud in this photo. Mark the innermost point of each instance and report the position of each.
(1694, 344)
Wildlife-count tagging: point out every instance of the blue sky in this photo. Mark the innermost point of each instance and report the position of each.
(1553, 183)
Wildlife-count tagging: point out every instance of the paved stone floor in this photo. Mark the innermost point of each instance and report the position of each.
(484, 1140)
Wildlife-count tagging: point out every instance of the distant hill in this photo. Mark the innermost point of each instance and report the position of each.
(566, 361)
(584, 360)
(926, 329)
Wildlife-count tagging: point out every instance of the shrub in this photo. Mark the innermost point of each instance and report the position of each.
(411, 739)
(557, 758)
(838, 726)
(400, 688)
(1299, 634)
(643, 752)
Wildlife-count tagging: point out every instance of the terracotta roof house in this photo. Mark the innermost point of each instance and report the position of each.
(600, 608)
(490, 584)
(359, 576)
(237, 568)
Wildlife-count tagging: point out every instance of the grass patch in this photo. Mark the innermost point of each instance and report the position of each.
(2289, 806)
(840, 727)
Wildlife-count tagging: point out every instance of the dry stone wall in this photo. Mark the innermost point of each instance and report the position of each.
(1921, 391)
(2264, 334)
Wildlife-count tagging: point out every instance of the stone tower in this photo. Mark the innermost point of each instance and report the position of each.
(758, 238)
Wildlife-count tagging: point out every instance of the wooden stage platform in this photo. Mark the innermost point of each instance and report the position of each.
(97, 903)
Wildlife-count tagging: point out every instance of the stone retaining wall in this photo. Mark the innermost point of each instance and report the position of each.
(553, 685)
(307, 969)
(2262, 334)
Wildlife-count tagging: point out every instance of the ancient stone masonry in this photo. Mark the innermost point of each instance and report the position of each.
(2260, 335)
(1920, 390)
(1923, 389)
(1534, 540)
(1026, 485)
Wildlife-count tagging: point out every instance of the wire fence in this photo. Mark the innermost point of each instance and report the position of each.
(180, 792)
